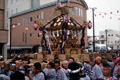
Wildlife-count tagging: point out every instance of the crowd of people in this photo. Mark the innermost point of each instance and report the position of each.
(99, 68)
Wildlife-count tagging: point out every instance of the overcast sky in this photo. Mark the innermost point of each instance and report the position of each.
(104, 23)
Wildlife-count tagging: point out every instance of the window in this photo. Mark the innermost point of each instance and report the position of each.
(111, 34)
(102, 36)
(30, 19)
(26, 22)
(23, 21)
(73, 11)
(38, 16)
(23, 36)
(38, 35)
(76, 10)
(16, 10)
(42, 15)
(102, 42)
(79, 12)
(31, 34)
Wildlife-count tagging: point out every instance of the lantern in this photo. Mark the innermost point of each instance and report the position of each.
(118, 18)
(110, 17)
(102, 16)
(89, 24)
(40, 33)
(110, 12)
(66, 18)
(13, 26)
(108, 41)
(26, 29)
(95, 15)
(59, 5)
(90, 40)
(111, 43)
(105, 13)
(104, 39)
(117, 11)
(35, 25)
(96, 38)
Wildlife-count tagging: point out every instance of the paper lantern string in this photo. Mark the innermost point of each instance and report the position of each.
(111, 13)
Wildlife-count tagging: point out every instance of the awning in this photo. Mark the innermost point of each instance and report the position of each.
(20, 47)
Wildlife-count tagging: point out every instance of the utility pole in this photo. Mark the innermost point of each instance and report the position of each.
(93, 10)
(106, 31)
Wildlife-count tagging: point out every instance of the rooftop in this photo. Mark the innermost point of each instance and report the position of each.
(42, 7)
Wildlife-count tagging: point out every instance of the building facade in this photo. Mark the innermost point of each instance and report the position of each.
(113, 38)
(43, 13)
(16, 6)
(3, 29)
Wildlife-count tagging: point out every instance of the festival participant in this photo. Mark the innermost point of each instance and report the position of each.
(27, 70)
(98, 61)
(116, 72)
(12, 68)
(50, 72)
(107, 71)
(82, 76)
(60, 74)
(4, 77)
(74, 71)
(87, 69)
(39, 75)
(71, 59)
(65, 68)
(113, 64)
(17, 76)
(96, 72)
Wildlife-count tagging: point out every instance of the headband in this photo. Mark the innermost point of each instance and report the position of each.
(27, 69)
(12, 64)
(107, 67)
(74, 71)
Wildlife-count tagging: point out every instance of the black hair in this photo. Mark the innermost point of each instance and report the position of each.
(57, 61)
(72, 58)
(28, 61)
(74, 66)
(37, 65)
(17, 76)
(44, 61)
(13, 62)
(51, 64)
(105, 64)
(26, 67)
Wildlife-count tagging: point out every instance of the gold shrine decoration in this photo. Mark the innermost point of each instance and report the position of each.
(85, 23)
